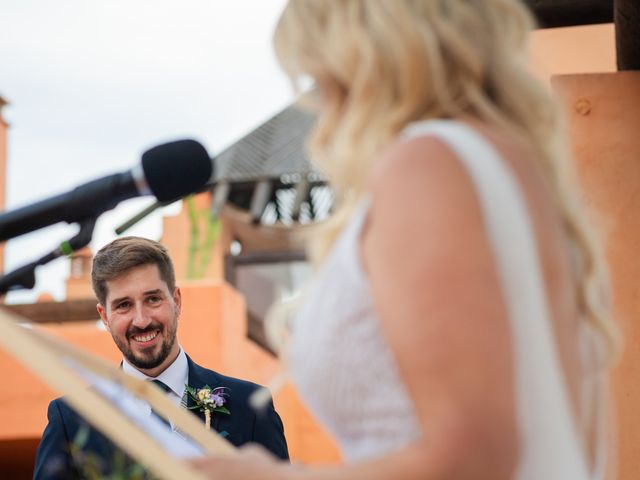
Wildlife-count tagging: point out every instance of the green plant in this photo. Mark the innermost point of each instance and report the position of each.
(200, 248)
(92, 466)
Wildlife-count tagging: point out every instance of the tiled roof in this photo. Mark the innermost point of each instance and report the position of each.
(275, 148)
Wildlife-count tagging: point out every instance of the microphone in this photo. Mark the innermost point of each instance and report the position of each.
(169, 172)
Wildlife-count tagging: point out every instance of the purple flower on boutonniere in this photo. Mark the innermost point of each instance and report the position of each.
(208, 400)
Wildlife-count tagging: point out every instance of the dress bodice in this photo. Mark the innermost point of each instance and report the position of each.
(341, 362)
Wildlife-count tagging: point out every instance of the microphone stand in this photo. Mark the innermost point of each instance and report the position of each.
(152, 208)
(25, 278)
(139, 216)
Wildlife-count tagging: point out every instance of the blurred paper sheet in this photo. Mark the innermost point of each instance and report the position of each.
(137, 410)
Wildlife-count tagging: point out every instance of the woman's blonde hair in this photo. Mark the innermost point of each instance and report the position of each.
(380, 64)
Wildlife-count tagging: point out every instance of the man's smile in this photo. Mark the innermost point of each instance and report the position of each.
(146, 337)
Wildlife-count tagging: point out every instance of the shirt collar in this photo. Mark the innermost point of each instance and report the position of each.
(175, 376)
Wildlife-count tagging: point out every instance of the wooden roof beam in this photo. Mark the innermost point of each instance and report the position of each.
(627, 21)
(568, 13)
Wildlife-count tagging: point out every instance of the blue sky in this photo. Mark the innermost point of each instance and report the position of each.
(93, 83)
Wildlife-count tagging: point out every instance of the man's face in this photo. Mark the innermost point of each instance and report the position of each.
(142, 316)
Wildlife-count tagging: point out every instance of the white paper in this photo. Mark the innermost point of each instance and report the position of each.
(137, 410)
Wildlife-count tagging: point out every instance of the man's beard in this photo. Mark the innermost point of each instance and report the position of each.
(148, 360)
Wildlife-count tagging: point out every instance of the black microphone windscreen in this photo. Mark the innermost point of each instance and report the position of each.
(176, 169)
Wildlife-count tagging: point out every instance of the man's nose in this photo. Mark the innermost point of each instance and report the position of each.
(140, 317)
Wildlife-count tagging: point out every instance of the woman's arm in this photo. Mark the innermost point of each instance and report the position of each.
(436, 291)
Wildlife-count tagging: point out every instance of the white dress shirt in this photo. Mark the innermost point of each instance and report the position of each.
(175, 376)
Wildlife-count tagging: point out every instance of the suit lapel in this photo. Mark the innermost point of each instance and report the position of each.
(197, 380)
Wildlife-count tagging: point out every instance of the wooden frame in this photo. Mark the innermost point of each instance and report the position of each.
(48, 357)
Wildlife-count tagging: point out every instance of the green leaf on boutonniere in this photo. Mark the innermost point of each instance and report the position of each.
(208, 398)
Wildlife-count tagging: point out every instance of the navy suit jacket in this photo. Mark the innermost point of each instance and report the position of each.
(243, 425)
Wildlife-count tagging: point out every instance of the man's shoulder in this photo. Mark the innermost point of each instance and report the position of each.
(239, 383)
(62, 408)
(60, 412)
(216, 379)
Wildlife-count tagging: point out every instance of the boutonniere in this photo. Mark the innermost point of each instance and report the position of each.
(208, 400)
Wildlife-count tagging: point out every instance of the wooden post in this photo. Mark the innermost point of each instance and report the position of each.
(567, 13)
(627, 21)
(49, 358)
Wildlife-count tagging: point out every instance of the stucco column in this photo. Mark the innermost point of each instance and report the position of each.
(604, 123)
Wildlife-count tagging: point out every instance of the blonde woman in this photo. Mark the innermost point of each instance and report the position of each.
(457, 326)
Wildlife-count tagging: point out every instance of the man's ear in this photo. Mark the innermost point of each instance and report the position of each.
(177, 299)
(103, 315)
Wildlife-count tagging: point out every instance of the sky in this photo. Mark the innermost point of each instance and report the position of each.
(92, 84)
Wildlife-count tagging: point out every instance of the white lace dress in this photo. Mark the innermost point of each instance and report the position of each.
(348, 377)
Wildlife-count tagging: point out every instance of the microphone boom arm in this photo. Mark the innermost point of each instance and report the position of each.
(24, 277)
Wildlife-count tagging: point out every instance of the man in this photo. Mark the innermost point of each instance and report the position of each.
(139, 304)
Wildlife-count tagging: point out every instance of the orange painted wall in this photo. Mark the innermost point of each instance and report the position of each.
(585, 49)
(24, 398)
(603, 114)
(604, 131)
(179, 233)
(79, 280)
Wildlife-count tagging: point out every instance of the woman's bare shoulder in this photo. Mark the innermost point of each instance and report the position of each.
(418, 173)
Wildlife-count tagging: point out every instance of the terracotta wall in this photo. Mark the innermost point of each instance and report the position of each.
(604, 119)
(603, 114)
(185, 235)
(586, 49)
(79, 280)
(24, 399)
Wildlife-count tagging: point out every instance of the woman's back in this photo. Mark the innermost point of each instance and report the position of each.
(575, 343)
(542, 410)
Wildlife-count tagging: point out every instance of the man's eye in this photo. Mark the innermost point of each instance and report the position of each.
(154, 299)
(123, 305)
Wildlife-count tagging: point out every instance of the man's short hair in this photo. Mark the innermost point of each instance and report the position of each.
(126, 253)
